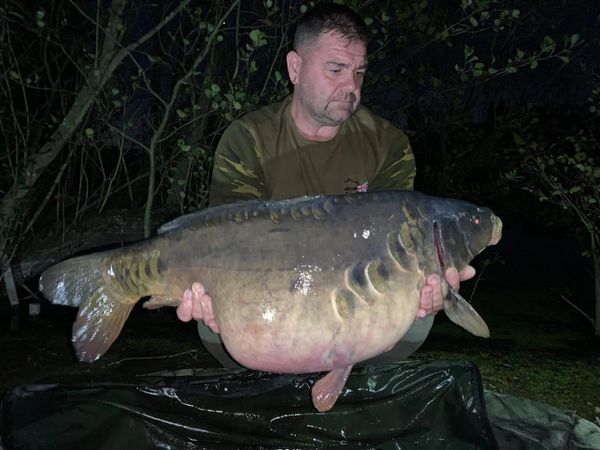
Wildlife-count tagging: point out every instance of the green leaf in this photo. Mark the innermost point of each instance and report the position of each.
(384, 17)
(575, 189)
(547, 44)
(574, 39)
(368, 21)
(181, 114)
(89, 133)
(533, 64)
(565, 59)
(258, 38)
(14, 75)
(473, 21)
(303, 9)
(517, 139)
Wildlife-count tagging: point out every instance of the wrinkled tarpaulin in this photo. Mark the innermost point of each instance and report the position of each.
(429, 405)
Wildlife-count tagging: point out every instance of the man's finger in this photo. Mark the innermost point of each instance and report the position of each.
(197, 312)
(184, 310)
(452, 277)
(467, 273)
(198, 290)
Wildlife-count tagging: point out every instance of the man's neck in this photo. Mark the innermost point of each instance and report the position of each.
(309, 129)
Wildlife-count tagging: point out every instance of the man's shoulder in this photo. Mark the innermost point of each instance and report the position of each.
(369, 121)
(268, 114)
(366, 117)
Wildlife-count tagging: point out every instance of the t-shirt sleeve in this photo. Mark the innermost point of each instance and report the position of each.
(398, 169)
(237, 172)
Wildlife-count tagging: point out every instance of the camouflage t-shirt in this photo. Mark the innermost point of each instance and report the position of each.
(263, 155)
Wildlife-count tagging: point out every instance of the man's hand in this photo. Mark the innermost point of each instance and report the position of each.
(432, 299)
(196, 304)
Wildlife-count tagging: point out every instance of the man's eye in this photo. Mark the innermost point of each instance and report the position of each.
(360, 74)
(336, 70)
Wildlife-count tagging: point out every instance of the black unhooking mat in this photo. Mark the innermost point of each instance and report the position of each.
(412, 405)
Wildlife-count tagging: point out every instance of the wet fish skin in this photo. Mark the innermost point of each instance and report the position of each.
(302, 285)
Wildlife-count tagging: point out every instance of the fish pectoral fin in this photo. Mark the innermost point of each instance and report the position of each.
(326, 391)
(158, 301)
(462, 313)
(98, 324)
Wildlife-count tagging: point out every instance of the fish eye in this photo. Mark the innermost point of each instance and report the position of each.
(476, 220)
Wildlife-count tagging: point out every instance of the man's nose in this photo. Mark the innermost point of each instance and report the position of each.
(351, 82)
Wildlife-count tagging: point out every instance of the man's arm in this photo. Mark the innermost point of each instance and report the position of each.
(398, 172)
(237, 173)
(398, 169)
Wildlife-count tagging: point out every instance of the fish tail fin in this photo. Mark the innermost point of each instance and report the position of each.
(463, 314)
(104, 301)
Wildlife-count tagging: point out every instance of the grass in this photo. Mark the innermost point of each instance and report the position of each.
(540, 348)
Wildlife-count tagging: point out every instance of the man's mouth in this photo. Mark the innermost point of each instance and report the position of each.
(350, 98)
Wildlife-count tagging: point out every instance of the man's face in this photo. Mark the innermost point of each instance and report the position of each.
(328, 74)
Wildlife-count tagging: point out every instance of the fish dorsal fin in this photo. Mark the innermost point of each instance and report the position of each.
(317, 206)
(326, 391)
(242, 210)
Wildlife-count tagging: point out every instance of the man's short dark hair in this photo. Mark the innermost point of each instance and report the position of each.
(330, 18)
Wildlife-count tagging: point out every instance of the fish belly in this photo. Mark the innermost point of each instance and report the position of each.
(269, 323)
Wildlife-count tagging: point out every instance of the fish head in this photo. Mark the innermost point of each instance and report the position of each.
(463, 231)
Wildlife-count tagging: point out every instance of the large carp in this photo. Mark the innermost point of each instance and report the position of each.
(303, 285)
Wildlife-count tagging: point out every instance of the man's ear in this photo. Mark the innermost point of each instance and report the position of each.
(293, 65)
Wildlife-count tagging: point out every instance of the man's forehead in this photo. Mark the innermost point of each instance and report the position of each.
(334, 45)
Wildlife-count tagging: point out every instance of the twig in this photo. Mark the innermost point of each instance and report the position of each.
(479, 275)
(142, 358)
(9, 283)
(578, 309)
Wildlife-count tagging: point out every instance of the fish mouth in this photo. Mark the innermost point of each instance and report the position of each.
(496, 230)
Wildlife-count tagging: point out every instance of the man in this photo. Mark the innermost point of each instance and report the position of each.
(318, 141)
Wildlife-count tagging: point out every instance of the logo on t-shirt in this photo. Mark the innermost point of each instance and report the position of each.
(351, 185)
